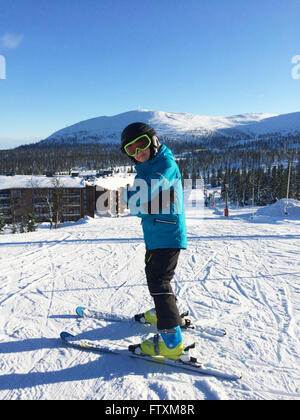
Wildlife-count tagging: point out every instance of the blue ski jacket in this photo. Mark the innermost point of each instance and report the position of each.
(157, 197)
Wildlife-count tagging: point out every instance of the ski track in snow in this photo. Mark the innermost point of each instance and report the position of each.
(236, 274)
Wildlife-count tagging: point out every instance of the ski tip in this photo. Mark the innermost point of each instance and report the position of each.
(65, 335)
(79, 310)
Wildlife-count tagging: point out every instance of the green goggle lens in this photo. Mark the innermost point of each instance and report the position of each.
(140, 143)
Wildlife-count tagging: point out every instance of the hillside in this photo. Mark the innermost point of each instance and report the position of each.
(238, 273)
(177, 125)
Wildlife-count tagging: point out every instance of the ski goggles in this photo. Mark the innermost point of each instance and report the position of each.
(140, 143)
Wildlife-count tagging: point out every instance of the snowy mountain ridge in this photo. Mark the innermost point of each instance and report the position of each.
(178, 125)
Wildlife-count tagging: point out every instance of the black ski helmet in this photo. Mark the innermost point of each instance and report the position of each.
(132, 131)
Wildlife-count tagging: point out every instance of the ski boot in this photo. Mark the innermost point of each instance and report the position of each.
(167, 344)
(149, 317)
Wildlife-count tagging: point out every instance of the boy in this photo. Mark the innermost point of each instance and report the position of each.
(159, 191)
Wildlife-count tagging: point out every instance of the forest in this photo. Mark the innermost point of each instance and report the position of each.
(259, 171)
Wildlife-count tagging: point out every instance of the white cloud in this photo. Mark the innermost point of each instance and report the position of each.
(9, 40)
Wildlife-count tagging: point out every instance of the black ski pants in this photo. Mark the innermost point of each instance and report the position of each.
(160, 269)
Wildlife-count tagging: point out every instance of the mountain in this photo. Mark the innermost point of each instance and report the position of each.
(178, 125)
(283, 124)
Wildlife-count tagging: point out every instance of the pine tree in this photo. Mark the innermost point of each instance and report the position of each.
(2, 223)
(31, 226)
(297, 179)
(213, 179)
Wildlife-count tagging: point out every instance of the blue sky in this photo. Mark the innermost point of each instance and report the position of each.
(70, 60)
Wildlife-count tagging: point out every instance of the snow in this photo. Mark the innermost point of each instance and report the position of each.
(114, 183)
(109, 128)
(287, 208)
(239, 273)
(284, 124)
(30, 181)
(42, 181)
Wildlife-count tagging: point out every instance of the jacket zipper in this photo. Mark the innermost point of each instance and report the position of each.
(164, 221)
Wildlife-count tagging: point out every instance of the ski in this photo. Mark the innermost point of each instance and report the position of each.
(190, 364)
(112, 317)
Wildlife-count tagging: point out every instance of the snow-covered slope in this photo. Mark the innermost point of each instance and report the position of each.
(176, 124)
(279, 124)
(281, 207)
(237, 273)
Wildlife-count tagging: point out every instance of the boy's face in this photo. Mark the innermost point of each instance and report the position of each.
(143, 155)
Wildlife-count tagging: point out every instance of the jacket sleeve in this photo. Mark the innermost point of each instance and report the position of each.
(134, 196)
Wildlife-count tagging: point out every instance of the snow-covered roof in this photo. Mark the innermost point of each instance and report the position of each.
(65, 181)
(39, 181)
(112, 182)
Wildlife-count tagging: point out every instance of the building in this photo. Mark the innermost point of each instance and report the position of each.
(59, 198)
(56, 199)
